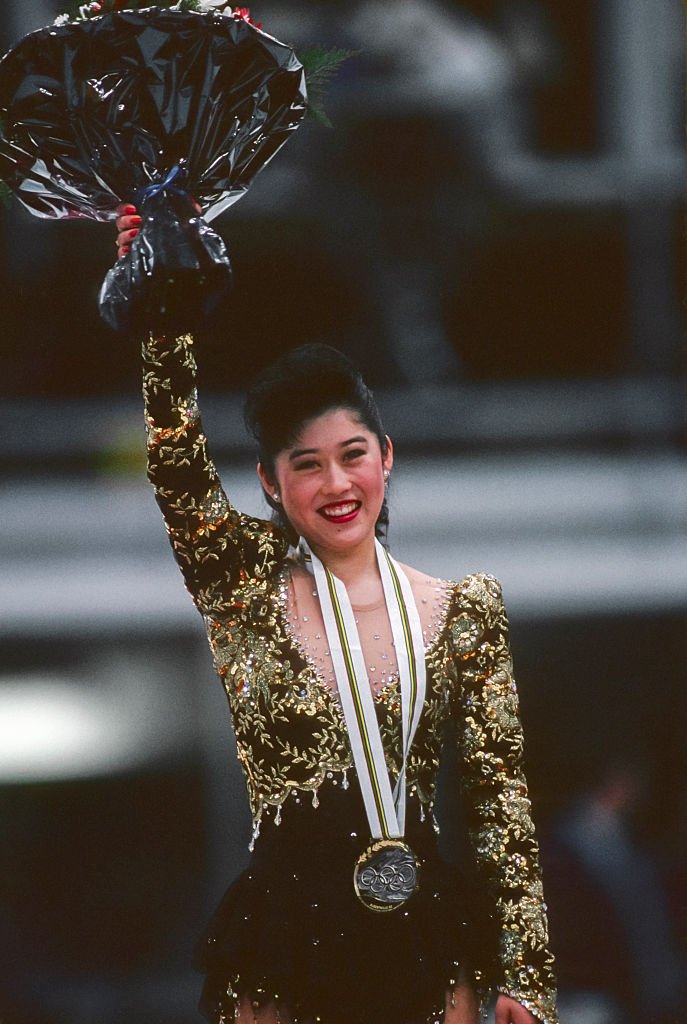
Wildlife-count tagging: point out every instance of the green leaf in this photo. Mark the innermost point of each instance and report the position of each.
(320, 65)
(317, 112)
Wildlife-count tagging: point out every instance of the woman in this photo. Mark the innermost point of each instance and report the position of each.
(342, 669)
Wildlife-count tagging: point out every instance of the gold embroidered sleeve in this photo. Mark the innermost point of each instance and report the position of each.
(215, 546)
(497, 805)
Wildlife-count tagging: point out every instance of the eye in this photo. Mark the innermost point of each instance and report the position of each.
(355, 453)
(305, 464)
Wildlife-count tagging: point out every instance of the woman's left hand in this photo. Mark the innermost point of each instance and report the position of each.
(128, 224)
(508, 1011)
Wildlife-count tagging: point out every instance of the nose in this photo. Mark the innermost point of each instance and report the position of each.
(336, 479)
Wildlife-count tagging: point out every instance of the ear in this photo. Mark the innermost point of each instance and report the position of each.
(388, 459)
(267, 482)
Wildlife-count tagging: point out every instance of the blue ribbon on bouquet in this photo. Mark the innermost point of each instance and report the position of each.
(162, 186)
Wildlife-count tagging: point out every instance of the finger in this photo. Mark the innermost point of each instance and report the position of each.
(124, 237)
(123, 231)
(122, 251)
(128, 221)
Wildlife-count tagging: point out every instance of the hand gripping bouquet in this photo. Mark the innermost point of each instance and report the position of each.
(159, 106)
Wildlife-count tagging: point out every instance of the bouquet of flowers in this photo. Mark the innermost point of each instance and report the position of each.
(174, 108)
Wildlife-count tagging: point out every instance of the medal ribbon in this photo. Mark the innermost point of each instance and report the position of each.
(385, 809)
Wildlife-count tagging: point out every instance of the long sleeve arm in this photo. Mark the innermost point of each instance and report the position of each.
(216, 547)
(497, 804)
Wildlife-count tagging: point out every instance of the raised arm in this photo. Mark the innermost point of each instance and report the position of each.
(218, 549)
(497, 805)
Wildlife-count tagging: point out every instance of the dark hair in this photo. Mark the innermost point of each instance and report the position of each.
(301, 385)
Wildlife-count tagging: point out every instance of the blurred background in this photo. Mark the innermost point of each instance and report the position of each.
(495, 231)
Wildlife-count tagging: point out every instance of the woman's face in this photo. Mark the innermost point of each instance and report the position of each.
(331, 482)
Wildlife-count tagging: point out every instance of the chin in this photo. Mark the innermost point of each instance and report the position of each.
(344, 536)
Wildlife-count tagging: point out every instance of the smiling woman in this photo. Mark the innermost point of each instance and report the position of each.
(335, 479)
(342, 669)
(324, 459)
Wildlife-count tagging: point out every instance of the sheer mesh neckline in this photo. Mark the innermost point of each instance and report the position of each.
(362, 609)
(305, 626)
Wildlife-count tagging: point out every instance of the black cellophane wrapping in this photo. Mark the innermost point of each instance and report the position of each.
(176, 274)
(96, 111)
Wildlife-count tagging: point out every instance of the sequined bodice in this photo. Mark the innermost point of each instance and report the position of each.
(288, 720)
(289, 727)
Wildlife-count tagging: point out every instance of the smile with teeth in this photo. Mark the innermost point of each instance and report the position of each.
(340, 511)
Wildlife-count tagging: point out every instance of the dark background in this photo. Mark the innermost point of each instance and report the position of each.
(494, 229)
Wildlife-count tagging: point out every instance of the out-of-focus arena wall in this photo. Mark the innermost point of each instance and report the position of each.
(494, 229)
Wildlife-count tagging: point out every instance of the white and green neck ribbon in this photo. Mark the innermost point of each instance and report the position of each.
(385, 808)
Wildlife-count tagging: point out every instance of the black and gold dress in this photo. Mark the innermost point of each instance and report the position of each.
(290, 931)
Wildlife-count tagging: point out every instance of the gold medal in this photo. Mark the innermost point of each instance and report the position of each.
(386, 875)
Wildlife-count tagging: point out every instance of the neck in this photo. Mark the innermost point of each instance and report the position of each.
(352, 566)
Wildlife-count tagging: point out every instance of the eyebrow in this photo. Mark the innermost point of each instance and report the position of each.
(298, 452)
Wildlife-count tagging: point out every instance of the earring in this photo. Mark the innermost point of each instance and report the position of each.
(386, 476)
(276, 497)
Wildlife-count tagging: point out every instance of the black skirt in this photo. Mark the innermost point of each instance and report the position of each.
(291, 929)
